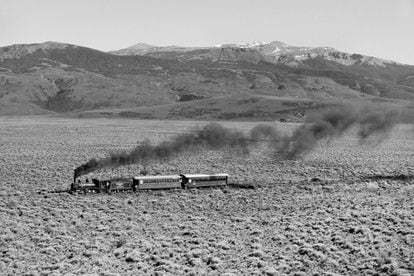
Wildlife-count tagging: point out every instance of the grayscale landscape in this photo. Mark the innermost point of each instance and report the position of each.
(292, 156)
(271, 81)
(344, 209)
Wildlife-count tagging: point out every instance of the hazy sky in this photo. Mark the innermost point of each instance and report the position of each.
(382, 28)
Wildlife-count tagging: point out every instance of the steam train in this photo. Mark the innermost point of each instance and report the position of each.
(134, 184)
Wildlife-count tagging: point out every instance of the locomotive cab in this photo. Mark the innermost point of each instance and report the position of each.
(101, 185)
(114, 185)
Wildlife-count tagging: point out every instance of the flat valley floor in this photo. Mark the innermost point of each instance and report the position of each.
(344, 209)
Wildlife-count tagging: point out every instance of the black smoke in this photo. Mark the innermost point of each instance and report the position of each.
(334, 122)
(213, 136)
(377, 122)
(326, 124)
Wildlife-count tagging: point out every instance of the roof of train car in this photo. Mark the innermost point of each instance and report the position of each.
(173, 176)
(204, 175)
(220, 174)
(113, 179)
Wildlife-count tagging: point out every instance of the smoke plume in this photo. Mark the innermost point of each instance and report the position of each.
(213, 136)
(326, 124)
(331, 123)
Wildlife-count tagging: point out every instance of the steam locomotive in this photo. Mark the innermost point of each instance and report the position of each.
(134, 184)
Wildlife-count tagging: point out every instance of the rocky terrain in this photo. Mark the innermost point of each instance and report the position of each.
(344, 209)
(274, 52)
(146, 81)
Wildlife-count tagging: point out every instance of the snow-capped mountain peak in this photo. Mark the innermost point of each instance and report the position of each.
(274, 52)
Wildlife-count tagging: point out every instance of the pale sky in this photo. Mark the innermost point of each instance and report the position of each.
(381, 28)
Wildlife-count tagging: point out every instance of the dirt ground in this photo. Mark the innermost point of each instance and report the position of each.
(345, 209)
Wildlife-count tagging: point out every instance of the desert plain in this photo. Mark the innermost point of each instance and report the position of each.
(345, 208)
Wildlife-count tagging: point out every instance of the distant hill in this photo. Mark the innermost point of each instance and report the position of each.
(144, 48)
(251, 81)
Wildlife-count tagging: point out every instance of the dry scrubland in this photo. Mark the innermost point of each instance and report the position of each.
(345, 224)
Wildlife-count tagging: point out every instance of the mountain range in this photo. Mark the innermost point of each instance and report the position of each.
(257, 81)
